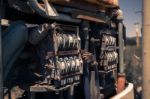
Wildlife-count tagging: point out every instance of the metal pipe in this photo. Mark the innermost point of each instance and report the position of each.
(121, 74)
(121, 56)
(146, 49)
(93, 93)
(70, 93)
(1, 66)
(41, 11)
(86, 65)
(94, 75)
(16, 30)
(120, 39)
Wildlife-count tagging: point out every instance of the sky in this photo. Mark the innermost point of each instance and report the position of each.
(129, 8)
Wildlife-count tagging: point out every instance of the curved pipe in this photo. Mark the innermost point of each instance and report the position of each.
(127, 93)
(41, 11)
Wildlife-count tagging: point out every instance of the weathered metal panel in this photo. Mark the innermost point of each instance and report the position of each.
(110, 3)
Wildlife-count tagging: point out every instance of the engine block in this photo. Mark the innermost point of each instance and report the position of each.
(59, 56)
(106, 52)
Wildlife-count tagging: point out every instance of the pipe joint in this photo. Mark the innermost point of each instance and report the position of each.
(120, 15)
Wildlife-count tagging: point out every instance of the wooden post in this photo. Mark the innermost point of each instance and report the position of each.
(137, 35)
(146, 49)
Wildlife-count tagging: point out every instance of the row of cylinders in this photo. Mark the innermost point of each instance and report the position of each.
(110, 56)
(109, 40)
(67, 81)
(67, 41)
(69, 65)
(65, 66)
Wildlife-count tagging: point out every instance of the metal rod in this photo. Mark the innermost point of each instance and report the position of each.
(121, 74)
(94, 76)
(70, 94)
(86, 65)
(121, 43)
(121, 64)
(92, 85)
(1, 67)
(146, 49)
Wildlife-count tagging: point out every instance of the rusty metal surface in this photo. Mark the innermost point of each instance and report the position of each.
(90, 2)
(121, 83)
(73, 52)
(76, 4)
(35, 5)
(89, 18)
(106, 3)
(84, 14)
(47, 88)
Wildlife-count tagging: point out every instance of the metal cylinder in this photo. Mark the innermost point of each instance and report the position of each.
(121, 75)
(121, 63)
(120, 40)
(86, 66)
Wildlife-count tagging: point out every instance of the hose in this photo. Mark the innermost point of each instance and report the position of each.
(41, 11)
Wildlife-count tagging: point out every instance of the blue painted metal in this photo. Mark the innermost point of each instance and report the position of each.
(41, 11)
(86, 65)
(14, 40)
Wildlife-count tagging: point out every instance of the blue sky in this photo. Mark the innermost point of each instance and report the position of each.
(130, 17)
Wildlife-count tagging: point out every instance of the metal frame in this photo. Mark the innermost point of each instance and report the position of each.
(1, 66)
(86, 31)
